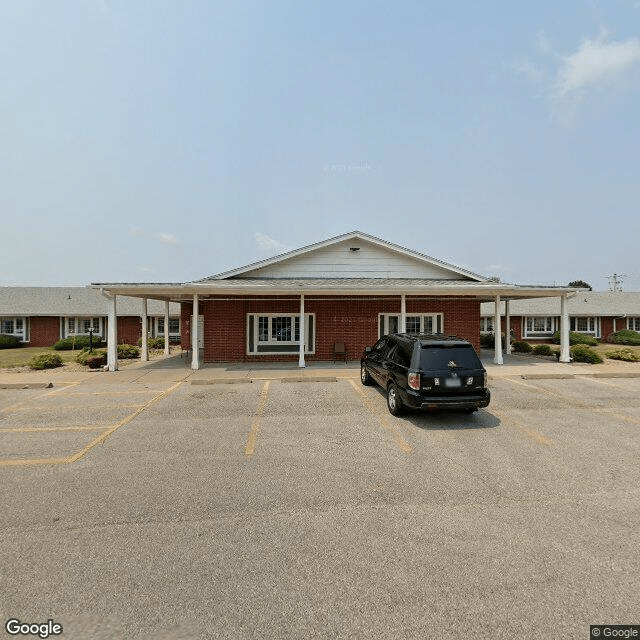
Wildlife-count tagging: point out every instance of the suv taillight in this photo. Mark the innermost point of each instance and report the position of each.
(414, 380)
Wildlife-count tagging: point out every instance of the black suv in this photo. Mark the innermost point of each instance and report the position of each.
(426, 371)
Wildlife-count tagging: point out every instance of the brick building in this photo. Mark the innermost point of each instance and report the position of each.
(350, 289)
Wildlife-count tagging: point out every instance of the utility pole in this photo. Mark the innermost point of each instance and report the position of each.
(615, 282)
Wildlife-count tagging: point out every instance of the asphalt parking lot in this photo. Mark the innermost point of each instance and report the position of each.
(141, 504)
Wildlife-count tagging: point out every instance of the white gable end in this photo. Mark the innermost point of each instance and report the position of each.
(338, 260)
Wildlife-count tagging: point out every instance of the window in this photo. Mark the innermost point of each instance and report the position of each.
(429, 323)
(80, 326)
(585, 324)
(14, 326)
(273, 333)
(540, 326)
(174, 326)
(486, 324)
(633, 324)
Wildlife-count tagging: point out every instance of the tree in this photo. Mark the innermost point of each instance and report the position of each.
(580, 284)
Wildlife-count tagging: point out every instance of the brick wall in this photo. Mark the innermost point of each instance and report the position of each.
(43, 331)
(353, 321)
(129, 329)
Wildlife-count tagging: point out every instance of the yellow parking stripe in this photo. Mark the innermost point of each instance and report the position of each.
(530, 433)
(400, 442)
(255, 426)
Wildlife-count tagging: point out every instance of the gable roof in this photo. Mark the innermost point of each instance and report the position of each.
(419, 258)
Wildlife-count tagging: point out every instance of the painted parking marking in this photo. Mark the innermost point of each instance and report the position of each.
(106, 432)
(76, 406)
(255, 425)
(400, 442)
(529, 433)
(18, 405)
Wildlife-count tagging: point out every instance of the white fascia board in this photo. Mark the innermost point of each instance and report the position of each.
(347, 236)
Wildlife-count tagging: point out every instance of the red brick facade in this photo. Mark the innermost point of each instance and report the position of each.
(43, 331)
(129, 329)
(352, 320)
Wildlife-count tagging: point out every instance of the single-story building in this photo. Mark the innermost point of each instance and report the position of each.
(40, 316)
(347, 290)
(594, 313)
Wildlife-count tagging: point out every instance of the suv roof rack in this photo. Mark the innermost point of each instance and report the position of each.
(430, 336)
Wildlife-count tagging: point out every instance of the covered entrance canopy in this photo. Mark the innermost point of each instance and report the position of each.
(345, 272)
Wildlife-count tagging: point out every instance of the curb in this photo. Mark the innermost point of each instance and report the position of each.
(26, 385)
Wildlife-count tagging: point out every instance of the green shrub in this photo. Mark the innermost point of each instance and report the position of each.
(128, 351)
(45, 361)
(625, 336)
(542, 350)
(488, 340)
(575, 338)
(76, 342)
(520, 346)
(628, 355)
(95, 362)
(153, 343)
(9, 342)
(85, 354)
(582, 353)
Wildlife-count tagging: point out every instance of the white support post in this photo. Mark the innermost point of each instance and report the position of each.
(302, 333)
(565, 356)
(166, 328)
(145, 332)
(403, 313)
(497, 328)
(112, 336)
(507, 329)
(195, 335)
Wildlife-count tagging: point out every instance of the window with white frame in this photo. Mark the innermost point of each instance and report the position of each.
(540, 326)
(423, 323)
(633, 324)
(14, 326)
(274, 333)
(486, 324)
(585, 324)
(80, 326)
(174, 327)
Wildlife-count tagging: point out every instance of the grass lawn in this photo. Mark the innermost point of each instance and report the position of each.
(603, 348)
(20, 357)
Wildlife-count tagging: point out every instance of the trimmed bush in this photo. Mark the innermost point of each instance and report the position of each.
(626, 336)
(520, 346)
(542, 350)
(95, 362)
(628, 355)
(45, 361)
(575, 338)
(582, 353)
(488, 340)
(9, 342)
(156, 343)
(76, 342)
(85, 354)
(128, 351)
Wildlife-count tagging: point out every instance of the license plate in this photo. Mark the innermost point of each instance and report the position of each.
(452, 382)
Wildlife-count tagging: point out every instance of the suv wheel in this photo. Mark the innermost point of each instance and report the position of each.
(393, 400)
(365, 377)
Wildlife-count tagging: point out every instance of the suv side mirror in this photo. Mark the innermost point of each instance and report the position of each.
(368, 349)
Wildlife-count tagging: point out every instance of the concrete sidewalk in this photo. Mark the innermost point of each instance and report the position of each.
(514, 366)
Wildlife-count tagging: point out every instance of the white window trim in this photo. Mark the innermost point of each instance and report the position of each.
(555, 326)
(160, 334)
(485, 321)
(24, 334)
(633, 323)
(76, 324)
(596, 325)
(293, 316)
(437, 318)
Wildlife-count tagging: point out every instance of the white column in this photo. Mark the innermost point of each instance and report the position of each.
(195, 335)
(565, 355)
(507, 329)
(302, 333)
(497, 328)
(145, 331)
(166, 328)
(112, 336)
(403, 313)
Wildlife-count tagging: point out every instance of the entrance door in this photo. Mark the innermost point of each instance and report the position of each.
(388, 323)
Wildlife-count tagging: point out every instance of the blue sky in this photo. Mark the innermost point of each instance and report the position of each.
(159, 141)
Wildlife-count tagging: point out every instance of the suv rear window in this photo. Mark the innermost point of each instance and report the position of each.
(439, 357)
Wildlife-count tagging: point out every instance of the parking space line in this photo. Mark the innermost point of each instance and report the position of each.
(15, 407)
(255, 426)
(400, 442)
(530, 433)
(562, 396)
(107, 431)
(108, 393)
(75, 406)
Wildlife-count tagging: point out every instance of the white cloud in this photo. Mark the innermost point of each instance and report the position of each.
(595, 63)
(530, 70)
(268, 245)
(167, 238)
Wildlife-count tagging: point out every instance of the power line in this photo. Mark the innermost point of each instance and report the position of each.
(615, 281)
